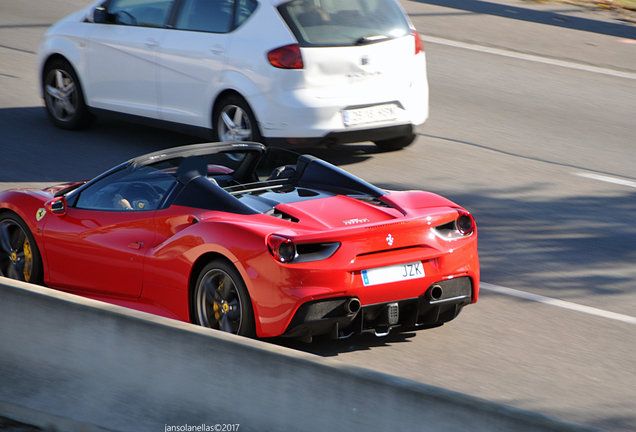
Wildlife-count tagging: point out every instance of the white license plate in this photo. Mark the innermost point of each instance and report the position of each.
(394, 273)
(372, 114)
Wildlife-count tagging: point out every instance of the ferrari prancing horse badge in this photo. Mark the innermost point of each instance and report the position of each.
(40, 214)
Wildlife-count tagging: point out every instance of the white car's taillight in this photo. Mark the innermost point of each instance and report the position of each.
(419, 45)
(286, 57)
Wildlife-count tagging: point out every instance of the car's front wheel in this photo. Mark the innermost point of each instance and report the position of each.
(19, 255)
(395, 143)
(63, 96)
(221, 300)
(233, 120)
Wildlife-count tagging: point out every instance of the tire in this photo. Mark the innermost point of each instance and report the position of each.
(19, 254)
(233, 121)
(63, 96)
(396, 143)
(221, 300)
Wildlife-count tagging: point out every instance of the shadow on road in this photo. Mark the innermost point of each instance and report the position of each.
(327, 347)
(33, 150)
(8, 425)
(36, 151)
(540, 17)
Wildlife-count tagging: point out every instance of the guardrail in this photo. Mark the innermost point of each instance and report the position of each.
(74, 364)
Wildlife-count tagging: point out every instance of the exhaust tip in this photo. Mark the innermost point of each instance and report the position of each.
(352, 305)
(436, 292)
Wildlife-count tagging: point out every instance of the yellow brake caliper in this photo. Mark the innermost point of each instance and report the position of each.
(218, 307)
(28, 260)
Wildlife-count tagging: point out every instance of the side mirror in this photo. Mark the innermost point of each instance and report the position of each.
(100, 16)
(57, 206)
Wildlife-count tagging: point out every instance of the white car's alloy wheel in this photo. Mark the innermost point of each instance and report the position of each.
(60, 95)
(63, 96)
(233, 120)
(234, 124)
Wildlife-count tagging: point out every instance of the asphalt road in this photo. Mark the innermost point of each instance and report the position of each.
(532, 129)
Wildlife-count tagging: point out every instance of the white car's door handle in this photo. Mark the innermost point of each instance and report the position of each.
(217, 49)
(152, 43)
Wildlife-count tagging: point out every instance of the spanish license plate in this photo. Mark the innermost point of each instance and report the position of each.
(372, 114)
(394, 273)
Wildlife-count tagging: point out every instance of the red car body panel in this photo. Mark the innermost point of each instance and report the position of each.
(149, 260)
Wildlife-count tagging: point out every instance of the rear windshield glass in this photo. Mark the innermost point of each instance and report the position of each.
(344, 22)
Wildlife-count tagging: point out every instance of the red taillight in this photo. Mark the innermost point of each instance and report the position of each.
(286, 57)
(419, 45)
(465, 223)
(281, 248)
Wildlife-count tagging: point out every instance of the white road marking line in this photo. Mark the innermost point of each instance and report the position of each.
(558, 303)
(529, 57)
(608, 179)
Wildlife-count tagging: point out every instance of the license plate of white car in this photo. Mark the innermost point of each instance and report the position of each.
(394, 273)
(372, 114)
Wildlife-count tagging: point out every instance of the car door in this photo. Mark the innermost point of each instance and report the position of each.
(99, 252)
(122, 56)
(193, 56)
(99, 244)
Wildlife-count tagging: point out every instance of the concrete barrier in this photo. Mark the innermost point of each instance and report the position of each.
(73, 364)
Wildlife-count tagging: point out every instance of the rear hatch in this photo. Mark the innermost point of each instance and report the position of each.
(353, 47)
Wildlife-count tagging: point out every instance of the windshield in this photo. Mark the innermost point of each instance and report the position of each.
(318, 23)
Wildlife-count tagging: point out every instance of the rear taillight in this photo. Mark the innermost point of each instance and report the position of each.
(281, 248)
(465, 223)
(419, 45)
(463, 226)
(286, 57)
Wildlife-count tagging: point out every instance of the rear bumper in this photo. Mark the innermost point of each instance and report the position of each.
(297, 114)
(441, 302)
(345, 137)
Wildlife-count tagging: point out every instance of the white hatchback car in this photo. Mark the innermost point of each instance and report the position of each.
(302, 72)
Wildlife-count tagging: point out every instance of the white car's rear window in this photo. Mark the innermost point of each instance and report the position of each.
(344, 22)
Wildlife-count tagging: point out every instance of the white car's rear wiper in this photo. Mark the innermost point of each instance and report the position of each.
(371, 39)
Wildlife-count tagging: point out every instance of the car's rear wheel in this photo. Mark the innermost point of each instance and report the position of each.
(396, 143)
(221, 300)
(19, 254)
(233, 120)
(63, 96)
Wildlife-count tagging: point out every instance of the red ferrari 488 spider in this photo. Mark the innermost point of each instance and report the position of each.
(250, 240)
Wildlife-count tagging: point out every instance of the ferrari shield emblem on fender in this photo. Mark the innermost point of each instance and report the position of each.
(40, 214)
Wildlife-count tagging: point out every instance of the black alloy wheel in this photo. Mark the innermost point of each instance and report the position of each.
(19, 254)
(221, 300)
